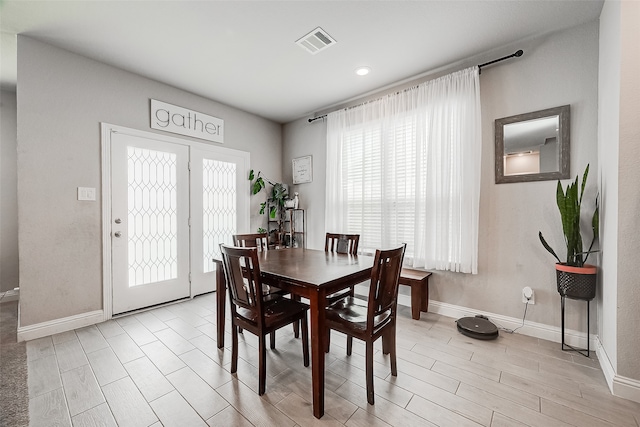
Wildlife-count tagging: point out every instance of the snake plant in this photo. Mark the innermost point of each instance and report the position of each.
(569, 204)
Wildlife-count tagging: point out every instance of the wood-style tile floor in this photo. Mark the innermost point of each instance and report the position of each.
(162, 368)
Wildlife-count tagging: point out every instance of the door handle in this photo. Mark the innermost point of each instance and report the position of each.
(117, 234)
(118, 221)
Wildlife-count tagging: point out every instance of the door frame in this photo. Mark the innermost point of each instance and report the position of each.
(106, 129)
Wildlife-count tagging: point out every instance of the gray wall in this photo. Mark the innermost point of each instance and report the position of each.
(8, 193)
(555, 70)
(608, 136)
(62, 98)
(629, 202)
(619, 134)
(303, 139)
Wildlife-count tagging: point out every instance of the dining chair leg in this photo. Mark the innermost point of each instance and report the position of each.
(327, 343)
(305, 341)
(262, 364)
(234, 348)
(296, 329)
(272, 339)
(392, 350)
(369, 369)
(349, 345)
(385, 343)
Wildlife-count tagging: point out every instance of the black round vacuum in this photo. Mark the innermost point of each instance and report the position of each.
(478, 327)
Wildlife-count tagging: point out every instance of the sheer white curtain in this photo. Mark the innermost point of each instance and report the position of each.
(406, 168)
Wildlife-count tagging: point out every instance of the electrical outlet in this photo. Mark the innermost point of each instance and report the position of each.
(528, 295)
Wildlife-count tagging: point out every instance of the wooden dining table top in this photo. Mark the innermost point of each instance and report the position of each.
(311, 268)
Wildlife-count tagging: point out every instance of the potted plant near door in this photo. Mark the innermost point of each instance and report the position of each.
(274, 205)
(576, 279)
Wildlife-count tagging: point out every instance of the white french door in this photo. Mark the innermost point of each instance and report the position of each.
(219, 206)
(150, 222)
(172, 202)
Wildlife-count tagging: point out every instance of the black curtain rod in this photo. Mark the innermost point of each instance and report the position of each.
(317, 118)
(517, 54)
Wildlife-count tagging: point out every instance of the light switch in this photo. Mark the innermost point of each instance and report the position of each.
(86, 193)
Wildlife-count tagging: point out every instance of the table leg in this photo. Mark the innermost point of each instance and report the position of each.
(220, 300)
(318, 338)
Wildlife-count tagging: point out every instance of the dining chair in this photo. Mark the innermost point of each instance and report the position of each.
(251, 312)
(256, 240)
(374, 318)
(261, 242)
(342, 244)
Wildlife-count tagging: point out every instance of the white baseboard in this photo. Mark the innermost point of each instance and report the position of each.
(533, 329)
(620, 386)
(626, 388)
(605, 363)
(539, 330)
(57, 326)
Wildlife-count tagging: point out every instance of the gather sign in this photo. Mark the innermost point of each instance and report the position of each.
(172, 118)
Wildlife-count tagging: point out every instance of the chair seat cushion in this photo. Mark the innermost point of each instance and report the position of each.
(276, 312)
(335, 297)
(351, 313)
(271, 293)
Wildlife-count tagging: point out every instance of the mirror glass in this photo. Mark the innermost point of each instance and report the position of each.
(533, 146)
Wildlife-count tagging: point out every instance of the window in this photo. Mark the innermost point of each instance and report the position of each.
(406, 169)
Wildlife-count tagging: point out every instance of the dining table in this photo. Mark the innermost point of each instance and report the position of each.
(311, 274)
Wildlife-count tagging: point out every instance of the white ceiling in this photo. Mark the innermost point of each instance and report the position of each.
(243, 53)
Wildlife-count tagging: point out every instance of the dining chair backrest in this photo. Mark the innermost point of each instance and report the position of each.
(256, 240)
(341, 243)
(242, 270)
(383, 289)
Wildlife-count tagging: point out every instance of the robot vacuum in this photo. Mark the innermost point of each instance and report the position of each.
(478, 327)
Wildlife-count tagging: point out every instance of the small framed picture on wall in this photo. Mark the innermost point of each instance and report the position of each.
(302, 170)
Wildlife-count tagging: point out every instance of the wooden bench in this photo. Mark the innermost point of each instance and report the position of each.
(419, 282)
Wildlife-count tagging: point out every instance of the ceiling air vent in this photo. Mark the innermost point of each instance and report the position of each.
(316, 41)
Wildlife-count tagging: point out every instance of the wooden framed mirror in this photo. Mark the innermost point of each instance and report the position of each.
(533, 146)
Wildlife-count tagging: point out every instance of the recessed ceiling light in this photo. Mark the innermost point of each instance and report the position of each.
(363, 71)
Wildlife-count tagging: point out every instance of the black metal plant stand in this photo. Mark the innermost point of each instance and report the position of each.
(567, 347)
